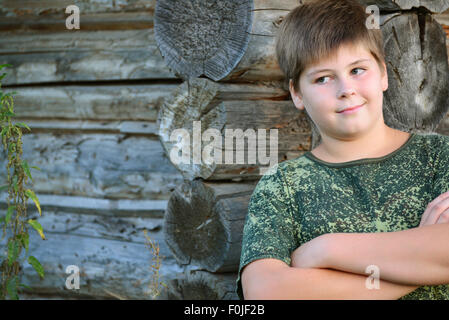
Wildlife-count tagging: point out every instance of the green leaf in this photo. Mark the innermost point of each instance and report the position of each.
(12, 146)
(14, 183)
(5, 65)
(4, 130)
(11, 287)
(9, 213)
(30, 194)
(25, 240)
(37, 168)
(10, 114)
(13, 251)
(25, 286)
(36, 265)
(4, 187)
(23, 125)
(26, 168)
(37, 226)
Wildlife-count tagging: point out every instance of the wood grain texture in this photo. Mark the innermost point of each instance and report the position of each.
(203, 38)
(415, 45)
(91, 102)
(195, 109)
(104, 239)
(56, 54)
(201, 285)
(116, 166)
(67, 56)
(45, 15)
(204, 224)
(435, 6)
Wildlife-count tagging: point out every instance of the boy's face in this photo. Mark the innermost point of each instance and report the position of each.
(350, 77)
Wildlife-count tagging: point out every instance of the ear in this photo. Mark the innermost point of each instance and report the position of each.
(384, 78)
(296, 96)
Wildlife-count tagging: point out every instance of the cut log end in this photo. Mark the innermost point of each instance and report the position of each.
(201, 285)
(204, 224)
(203, 38)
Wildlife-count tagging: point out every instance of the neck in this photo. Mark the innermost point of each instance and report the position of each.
(373, 144)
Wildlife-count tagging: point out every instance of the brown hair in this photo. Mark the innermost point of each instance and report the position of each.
(313, 31)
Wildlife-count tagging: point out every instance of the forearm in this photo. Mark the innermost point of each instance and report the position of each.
(418, 256)
(326, 284)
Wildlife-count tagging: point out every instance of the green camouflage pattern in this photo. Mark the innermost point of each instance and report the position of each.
(300, 199)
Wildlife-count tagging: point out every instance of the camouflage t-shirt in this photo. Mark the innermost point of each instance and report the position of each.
(306, 197)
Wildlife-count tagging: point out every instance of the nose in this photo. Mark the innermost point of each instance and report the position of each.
(346, 88)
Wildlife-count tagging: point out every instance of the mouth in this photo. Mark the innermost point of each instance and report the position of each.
(350, 109)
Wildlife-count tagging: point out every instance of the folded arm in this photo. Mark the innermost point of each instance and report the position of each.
(274, 279)
(417, 256)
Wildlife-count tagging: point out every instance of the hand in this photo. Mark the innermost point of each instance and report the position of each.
(437, 211)
(311, 254)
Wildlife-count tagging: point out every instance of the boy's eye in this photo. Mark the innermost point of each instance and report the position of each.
(319, 80)
(358, 69)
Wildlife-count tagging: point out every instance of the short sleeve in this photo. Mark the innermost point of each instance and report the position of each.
(441, 177)
(269, 230)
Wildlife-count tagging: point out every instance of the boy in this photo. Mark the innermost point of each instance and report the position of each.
(369, 197)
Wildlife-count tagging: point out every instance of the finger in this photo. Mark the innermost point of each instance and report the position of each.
(439, 198)
(437, 210)
(425, 216)
(444, 217)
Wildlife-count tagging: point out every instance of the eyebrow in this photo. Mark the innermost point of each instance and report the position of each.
(323, 70)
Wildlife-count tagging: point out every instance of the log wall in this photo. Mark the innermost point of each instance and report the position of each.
(443, 19)
(92, 98)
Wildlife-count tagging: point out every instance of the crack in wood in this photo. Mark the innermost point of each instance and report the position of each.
(422, 31)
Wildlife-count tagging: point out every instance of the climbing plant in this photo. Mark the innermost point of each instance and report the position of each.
(14, 221)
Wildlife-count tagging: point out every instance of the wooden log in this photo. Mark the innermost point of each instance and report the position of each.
(204, 224)
(435, 6)
(443, 19)
(88, 22)
(95, 15)
(98, 165)
(443, 127)
(99, 102)
(108, 207)
(203, 38)
(194, 111)
(233, 55)
(104, 239)
(107, 267)
(82, 56)
(201, 285)
(119, 102)
(90, 126)
(415, 45)
(29, 8)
